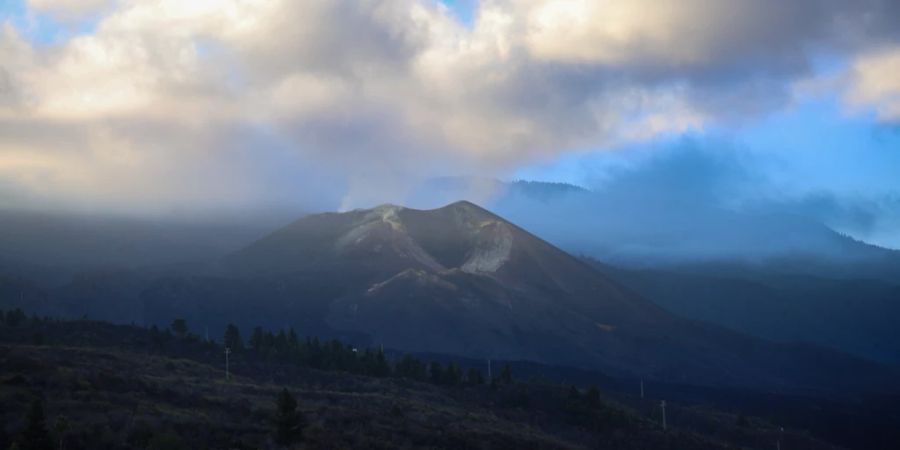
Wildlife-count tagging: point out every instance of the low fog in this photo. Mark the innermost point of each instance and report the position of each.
(685, 203)
(124, 140)
(689, 202)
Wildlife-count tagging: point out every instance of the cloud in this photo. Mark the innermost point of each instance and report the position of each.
(656, 36)
(873, 83)
(69, 9)
(169, 104)
(694, 200)
(731, 58)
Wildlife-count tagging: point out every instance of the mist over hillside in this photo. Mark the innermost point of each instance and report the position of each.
(686, 204)
(53, 246)
(611, 224)
(620, 224)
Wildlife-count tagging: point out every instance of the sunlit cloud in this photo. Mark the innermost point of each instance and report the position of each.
(69, 9)
(166, 104)
(873, 83)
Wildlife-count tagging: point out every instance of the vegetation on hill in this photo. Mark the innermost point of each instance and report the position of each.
(99, 385)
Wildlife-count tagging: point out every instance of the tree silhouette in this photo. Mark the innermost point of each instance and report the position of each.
(179, 327)
(474, 377)
(35, 436)
(593, 397)
(16, 318)
(506, 375)
(574, 394)
(256, 340)
(437, 372)
(293, 340)
(61, 428)
(453, 374)
(233, 338)
(288, 421)
(410, 367)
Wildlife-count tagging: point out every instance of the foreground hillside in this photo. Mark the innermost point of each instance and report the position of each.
(128, 387)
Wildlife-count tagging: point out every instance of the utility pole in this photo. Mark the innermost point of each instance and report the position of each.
(642, 388)
(227, 352)
(662, 405)
(780, 434)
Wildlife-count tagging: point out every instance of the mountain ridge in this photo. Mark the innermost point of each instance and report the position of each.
(457, 280)
(462, 280)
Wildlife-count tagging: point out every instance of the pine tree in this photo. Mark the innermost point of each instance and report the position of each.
(15, 317)
(593, 397)
(268, 341)
(474, 377)
(281, 341)
(61, 428)
(288, 421)
(179, 327)
(382, 368)
(256, 340)
(410, 367)
(293, 341)
(453, 374)
(36, 436)
(506, 375)
(233, 338)
(437, 372)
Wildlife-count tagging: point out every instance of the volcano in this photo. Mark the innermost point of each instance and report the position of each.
(462, 280)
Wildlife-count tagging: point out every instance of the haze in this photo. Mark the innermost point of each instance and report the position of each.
(185, 110)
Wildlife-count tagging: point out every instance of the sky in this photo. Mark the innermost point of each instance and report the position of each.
(167, 107)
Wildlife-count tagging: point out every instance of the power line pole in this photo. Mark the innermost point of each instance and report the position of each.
(662, 405)
(227, 352)
(642, 388)
(780, 434)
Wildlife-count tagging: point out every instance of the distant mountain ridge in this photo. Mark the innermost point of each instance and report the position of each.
(622, 225)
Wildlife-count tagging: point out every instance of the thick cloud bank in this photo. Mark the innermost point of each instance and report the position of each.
(172, 105)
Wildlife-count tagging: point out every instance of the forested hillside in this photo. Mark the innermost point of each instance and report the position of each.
(83, 384)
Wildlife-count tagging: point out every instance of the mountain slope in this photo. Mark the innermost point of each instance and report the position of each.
(623, 223)
(854, 316)
(462, 280)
